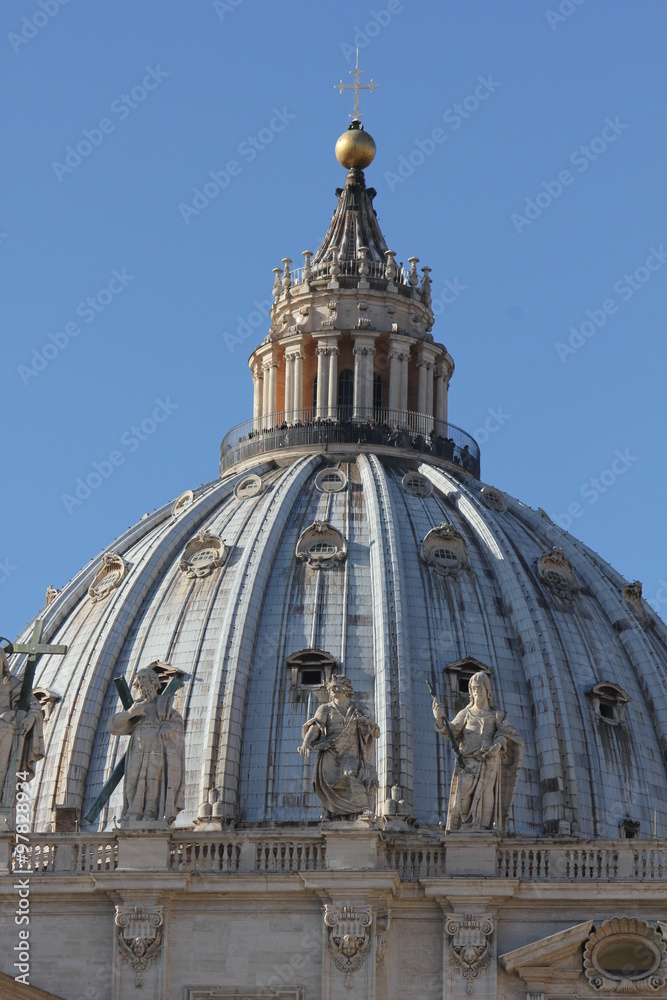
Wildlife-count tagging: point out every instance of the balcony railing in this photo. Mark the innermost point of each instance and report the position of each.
(379, 426)
(376, 270)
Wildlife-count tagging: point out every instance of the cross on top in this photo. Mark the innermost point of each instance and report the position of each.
(356, 87)
(34, 648)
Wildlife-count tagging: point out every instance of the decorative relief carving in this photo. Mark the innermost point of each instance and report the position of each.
(329, 322)
(185, 500)
(321, 546)
(109, 576)
(202, 554)
(494, 499)
(470, 944)
(139, 937)
(555, 570)
(444, 549)
(349, 937)
(625, 955)
(47, 699)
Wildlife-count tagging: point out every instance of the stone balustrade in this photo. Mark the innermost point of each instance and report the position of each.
(412, 857)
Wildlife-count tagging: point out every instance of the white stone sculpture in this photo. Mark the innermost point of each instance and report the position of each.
(155, 763)
(342, 732)
(30, 734)
(489, 755)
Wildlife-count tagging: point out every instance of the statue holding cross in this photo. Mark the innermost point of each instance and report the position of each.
(21, 719)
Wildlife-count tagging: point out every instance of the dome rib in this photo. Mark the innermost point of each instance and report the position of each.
(395, 762)
(222, 769)
(124, 606)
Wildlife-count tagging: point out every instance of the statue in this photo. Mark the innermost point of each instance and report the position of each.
(342, 732)
(488, 753)
(155, 760)
(21, 739)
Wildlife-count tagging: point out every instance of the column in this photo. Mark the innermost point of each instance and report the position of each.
(421, 389)
(440, 408)
(368, 382)
(297, 397)
(359, 373)
(429, 389)
(333, 383)
(265, 392)
(289, 386)
(273, 395)
(322, 382)
(256, 397)
(403, 397)
(394, 378)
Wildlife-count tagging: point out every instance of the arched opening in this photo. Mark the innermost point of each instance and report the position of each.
(314, 394)
(345, 394)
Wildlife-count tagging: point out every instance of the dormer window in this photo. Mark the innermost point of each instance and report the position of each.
(417, 485)
(310, 669)
(629, 828)
(609, 701)
(330, 481)
(457, 676)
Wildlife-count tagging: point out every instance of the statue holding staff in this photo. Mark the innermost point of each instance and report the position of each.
(489, 757)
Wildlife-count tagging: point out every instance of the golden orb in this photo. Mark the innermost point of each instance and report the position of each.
(355, 148)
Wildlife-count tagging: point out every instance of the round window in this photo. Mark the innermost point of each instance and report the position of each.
(330, 481)
(445, 557)
(493, 499)
(628, 957)
(204, 557)
(322, 550)
(250, 486)
(418, 486)
(183, 502)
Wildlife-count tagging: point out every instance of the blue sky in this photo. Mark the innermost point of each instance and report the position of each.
(541, 199)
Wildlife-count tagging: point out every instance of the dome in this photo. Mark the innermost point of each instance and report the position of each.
(349, 532)
(503, 590)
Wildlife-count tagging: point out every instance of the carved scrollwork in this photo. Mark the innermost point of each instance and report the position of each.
(321, 546)
(202, 554)
(110, 575)
(444, 549)
(470, 944)
(625, 955)
(349, 937)
(139, 937)
(555, 570)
